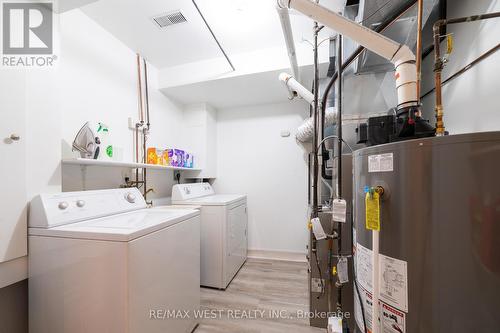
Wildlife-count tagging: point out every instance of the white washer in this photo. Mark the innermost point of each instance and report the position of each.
(224, 223)
(100, 261)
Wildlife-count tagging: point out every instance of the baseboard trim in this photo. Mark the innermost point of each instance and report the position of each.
(13, 271)
(277, 255)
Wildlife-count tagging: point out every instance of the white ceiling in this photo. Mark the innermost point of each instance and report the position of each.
(61, 6)
(131, 22)
(256, 88)
(248, 25)
(240, 25)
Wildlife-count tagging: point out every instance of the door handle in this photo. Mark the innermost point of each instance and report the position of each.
(15, 137)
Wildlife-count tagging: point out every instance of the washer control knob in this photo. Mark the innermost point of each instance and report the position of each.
(80, 203)
(63, 205)
(130, 197)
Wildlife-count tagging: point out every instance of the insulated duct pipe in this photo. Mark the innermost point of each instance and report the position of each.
(399, 54)
(305, 131)
(297, 89)
(290, 45)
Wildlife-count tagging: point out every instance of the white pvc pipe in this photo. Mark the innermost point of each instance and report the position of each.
(375, 280)
(400, 55)
(296, 87)
(370, 39)
(290, 44)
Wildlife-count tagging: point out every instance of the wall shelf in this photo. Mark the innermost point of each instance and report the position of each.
(118, 164)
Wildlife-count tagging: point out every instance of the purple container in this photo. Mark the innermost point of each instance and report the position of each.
(170, 157)
(178, 158)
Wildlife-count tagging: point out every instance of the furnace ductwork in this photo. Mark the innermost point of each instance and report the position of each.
(306, 130)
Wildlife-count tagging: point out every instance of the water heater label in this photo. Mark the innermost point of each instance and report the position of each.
(339, 210)
(381, 163)
(372, 213)
(393, 279)
(394, 282)
(391, 320)
(343, 270)
(318, 231)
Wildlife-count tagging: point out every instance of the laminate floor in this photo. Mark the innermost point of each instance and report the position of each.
(265, 297)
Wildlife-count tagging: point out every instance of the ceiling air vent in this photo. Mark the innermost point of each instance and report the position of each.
(165, 20)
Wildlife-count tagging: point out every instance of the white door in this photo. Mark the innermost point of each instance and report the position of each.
(13, 201)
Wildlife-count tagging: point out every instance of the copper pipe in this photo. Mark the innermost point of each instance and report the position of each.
(146, 93)
(439, 64)
(137, 154)
(144, 170)
(139, 88)
(419, 47)
(145, 131)
(141, 116)
(464, 69)
(438, 69)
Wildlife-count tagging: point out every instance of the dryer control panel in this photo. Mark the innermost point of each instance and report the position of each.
(190, 191)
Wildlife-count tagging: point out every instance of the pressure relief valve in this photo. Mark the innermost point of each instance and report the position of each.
(374, 189)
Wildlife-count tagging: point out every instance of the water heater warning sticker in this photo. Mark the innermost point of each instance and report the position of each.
(381, 163)
(393, 279)
(391, 320)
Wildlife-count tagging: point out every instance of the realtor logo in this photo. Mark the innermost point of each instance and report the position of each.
(28, 35)
(27, 28)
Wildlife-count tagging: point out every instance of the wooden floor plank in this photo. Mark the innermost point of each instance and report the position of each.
(273, 292)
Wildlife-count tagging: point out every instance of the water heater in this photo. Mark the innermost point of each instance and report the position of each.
(439, 242)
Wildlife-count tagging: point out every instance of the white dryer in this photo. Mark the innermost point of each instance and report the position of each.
(224, 224)
(100, 261)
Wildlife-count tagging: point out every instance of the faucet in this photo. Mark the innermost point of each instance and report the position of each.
(149, 203)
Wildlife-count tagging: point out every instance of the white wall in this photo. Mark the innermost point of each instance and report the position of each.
(98, 83)
(255, 160)
(470, 101)
(200, 123)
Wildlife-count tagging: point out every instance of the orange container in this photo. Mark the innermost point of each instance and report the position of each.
(164, 158)
(152, 156)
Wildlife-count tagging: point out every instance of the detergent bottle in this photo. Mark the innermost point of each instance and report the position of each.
(106, 146)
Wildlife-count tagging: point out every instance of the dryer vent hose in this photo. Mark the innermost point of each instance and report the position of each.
(306, 130)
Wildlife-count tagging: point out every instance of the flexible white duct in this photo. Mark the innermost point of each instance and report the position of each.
(306, 130)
